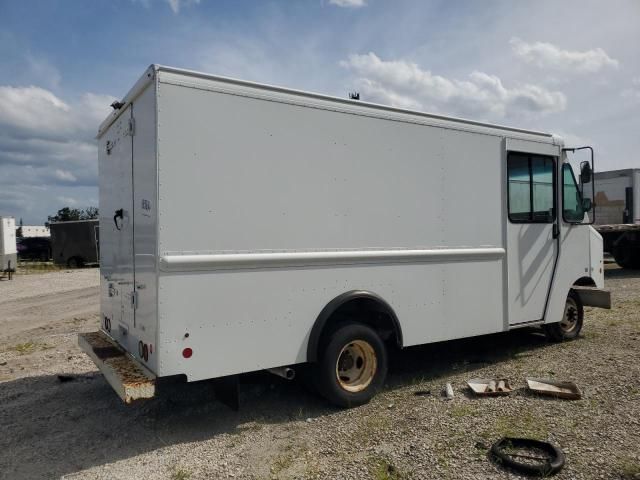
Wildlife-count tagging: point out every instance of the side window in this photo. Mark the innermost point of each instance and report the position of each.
(530, 188)
(572, 210)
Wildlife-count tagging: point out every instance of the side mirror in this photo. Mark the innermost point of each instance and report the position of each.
(585, 172)
(587, 205)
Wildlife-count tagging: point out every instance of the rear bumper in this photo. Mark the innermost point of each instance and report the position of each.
(594, 297)
(130, 379)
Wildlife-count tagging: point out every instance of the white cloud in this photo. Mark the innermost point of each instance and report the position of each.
(176, 5)
(37, 111)
(65, 175)
(547, 55)
(348, 3)
(47, 148)
(70, 201)
(405, 84)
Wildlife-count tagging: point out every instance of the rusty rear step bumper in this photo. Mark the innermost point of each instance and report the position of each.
(130, 379)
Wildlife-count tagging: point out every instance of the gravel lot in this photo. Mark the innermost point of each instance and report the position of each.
(81, 430)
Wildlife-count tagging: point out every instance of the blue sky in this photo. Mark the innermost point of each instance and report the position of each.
(570, 67)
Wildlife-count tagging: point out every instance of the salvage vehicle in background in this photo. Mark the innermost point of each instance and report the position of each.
(34, 248)
(75, 243)
(618, 199)
(248, 227)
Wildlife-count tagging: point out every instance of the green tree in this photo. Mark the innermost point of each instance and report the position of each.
(90, 213)
(68, 214)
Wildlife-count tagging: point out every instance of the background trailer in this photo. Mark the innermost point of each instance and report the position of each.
(8, 251)
(75, 243)
(248, 227)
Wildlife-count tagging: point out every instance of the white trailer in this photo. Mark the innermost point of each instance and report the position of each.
(8, 250)
(247, 227)
(617, 196)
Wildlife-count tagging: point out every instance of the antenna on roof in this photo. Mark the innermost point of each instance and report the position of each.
(354, 95)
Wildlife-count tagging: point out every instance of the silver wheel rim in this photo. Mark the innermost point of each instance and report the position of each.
(356, 366)
(570, 317)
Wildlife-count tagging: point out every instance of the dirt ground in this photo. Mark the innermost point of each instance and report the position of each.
(79, 429)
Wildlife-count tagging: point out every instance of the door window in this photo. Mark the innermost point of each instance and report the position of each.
(531, 188)
(572, 209)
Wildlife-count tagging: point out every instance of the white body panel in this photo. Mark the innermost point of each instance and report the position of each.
(251, 207)
(8, 251)
(614, 206)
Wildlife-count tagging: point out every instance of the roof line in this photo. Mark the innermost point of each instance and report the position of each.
(376, 106)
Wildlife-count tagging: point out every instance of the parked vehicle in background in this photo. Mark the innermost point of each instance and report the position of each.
(8, 252)
(248, 227)
(75, 243)
(617, 197)
(34, 248)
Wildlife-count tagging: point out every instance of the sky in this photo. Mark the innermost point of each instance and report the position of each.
(567, 67)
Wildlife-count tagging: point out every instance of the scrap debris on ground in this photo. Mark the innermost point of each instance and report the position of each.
(59, 418)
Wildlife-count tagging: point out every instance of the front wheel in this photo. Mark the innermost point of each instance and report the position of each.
(353, 365)
(570, 325)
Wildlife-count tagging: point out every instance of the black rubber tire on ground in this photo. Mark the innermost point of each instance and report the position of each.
(75, 262)
(543, 469)
(626, 257)
(558, 331)
(334, 349)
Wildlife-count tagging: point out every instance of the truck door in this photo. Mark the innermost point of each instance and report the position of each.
(532, 229)
(115, 158)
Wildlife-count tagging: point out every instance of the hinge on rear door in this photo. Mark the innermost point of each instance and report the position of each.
(132, 127)
(134, 300)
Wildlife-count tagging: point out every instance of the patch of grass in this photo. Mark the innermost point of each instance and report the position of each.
(180, 474)
(383, 469)
(371, 428)
(459, 411)
(522, 425)
(28, 347)
(630, 469)
(281, 462)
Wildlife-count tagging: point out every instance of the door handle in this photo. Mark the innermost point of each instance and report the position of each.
(119, 213)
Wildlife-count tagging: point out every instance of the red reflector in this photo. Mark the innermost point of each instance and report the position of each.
(187, 352)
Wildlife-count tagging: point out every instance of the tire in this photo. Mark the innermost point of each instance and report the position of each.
(624, 256)
(75, 262)
(552, 464)
(569, 327)
(353, 365)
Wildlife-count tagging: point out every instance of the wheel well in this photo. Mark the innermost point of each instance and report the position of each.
(359, 305)
(585, 282)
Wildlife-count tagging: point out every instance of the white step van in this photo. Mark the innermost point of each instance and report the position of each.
(247, 227)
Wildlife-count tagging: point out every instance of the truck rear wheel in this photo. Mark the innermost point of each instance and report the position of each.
(75, 262)
(626, 256)
(353, 365)
(571, 324)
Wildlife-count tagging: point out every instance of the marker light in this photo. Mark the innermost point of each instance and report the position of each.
(187, 352)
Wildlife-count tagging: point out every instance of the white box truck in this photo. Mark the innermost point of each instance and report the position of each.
(617, 196)
(248, 227)
(8, 250)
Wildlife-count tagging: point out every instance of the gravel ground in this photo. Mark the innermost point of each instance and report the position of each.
(80, 429)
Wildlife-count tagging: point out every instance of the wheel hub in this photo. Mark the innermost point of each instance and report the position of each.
(570, 318)
(356, 366)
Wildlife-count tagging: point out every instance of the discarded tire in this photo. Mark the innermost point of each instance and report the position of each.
(550, 462)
